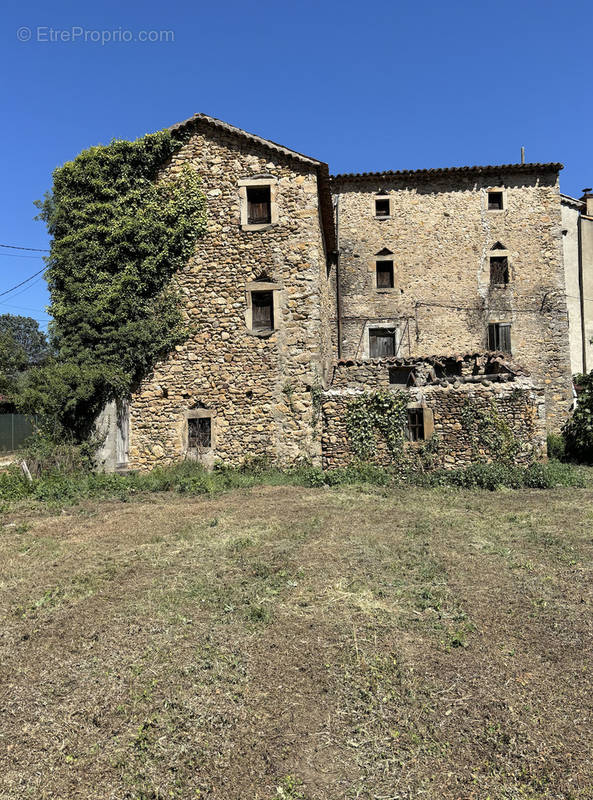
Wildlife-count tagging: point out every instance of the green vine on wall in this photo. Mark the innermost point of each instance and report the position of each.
(119, 234)
(372, 413)
(489, 432)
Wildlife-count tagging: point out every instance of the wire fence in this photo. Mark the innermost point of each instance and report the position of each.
(15, 429)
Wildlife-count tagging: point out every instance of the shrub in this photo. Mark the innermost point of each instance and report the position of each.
(556, 446)
(65, 486)
(578, 430)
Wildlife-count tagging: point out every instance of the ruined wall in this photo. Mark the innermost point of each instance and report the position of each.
(440, 233)
(257, 388)
(515, 402)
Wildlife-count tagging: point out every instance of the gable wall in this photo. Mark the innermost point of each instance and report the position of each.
(259, 389)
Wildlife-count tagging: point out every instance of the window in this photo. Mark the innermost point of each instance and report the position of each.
(384, 274)
(262, 311)
(257, 202)
(416, 424)
(382, 208)
(259, 205)
(499, 270)
(402, 376)
(499, 336)
(381, 342)
(199, 433)
(495, 200)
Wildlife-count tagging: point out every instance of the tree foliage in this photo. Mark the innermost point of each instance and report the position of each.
(119, 236)
(22, 346)
(26, 336)
(578, 430)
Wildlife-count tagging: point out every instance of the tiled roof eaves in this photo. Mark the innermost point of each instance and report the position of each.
(488, 169)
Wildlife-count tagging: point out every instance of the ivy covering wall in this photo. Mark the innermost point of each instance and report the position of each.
(118, 237)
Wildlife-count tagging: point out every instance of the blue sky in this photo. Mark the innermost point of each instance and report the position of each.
(364, 86)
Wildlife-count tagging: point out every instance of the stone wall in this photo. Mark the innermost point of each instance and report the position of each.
(257, 388)
(440, 233)
(516, 403)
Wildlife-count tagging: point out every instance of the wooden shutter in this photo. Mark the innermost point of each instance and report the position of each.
(381, 343)
(384, 274)
(262, 311)
(504, 334)
(492, 343)
(499, 270)
(259, 206)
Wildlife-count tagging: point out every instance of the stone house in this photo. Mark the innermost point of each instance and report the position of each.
(577, 240)
(302, 279)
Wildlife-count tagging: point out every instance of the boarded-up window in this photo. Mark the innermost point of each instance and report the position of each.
(384, 274)
(499, 270)
(416, 424)
(499, 336)
(381, 206)
(262, 311)
(259, 205)
(199, 433)
(495, 201)
(381, 342)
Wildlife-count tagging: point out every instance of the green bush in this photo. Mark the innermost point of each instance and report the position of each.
(556, 446)
(61, 486)
(578, 430)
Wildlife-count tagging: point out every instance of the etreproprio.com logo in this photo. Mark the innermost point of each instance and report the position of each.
(77, 34)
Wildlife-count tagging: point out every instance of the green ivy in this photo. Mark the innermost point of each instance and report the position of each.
(489, 431)
(119, 236)
(578, 430)
(372, 413)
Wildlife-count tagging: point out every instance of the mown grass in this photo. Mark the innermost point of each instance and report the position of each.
(300, 643)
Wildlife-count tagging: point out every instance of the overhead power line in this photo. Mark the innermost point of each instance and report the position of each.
(30, 278)
(19, 247)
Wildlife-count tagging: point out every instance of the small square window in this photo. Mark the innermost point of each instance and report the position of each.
(262, 311)
(384, 274)
(382, 207)
(495, 201)
(381, 342)
(499, 270)
(499, 336)
(416, 424)
(199, 433)
(259, 205)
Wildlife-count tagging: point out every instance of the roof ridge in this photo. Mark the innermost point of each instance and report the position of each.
(555, 166)
(219, 123)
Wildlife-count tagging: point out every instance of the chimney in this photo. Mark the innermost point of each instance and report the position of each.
(587, 199)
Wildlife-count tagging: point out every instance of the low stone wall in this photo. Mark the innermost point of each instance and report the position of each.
(515, 408)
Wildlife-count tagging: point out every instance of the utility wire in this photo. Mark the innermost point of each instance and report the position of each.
(30, 278)
(18, 247)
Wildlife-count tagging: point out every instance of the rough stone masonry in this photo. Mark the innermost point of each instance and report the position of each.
(298, 271)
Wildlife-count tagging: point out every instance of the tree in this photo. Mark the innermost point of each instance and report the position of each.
(26, 335)
(22, 346)
(578, 430)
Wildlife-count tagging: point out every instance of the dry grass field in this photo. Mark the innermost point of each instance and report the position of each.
(284, 642)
